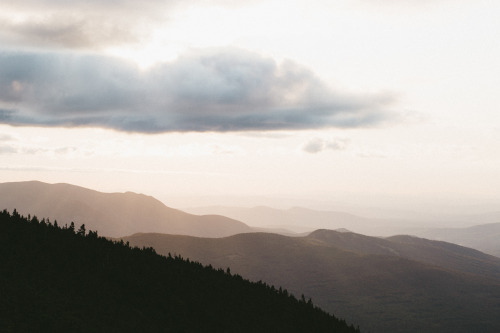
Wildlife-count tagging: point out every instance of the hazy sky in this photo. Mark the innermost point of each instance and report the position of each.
(366, 101)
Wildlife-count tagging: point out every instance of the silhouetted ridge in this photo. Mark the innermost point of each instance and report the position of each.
(113, 214)
(397, 285)
(55, 279)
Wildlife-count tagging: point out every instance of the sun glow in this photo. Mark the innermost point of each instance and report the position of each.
(201, 27)
(147, 55)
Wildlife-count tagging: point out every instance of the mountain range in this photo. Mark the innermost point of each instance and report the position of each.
(479, 231)
(300, 219)
(398, 284)
(112, 214)
(60, 279)
(395, 284)
(484, 237)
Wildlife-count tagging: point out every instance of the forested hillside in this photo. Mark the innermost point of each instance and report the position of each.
(59, 279)
(401, 284)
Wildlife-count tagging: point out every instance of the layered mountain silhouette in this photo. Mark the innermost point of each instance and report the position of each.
(394, 284)
(484, 237)
(296, 219)
(299, 219)
(438, 253)
(398, 284)
(112, 214)
(55, 279)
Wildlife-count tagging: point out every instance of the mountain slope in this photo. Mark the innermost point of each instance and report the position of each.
(112, 214)
(56, 280)
(484, 237)
(443, 254)
(383, 292)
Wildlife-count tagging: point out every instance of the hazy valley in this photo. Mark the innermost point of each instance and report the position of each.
(478, 231)
(397, 283)
(347, 151)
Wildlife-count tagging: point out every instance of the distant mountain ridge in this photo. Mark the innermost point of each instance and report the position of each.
(399, 284)
(112, 214)
(484, 237)
(300, 219)
(443, 254)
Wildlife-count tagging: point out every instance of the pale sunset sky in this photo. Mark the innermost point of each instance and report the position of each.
(311, 103)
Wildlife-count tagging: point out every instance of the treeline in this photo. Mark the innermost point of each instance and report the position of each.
(62, 279)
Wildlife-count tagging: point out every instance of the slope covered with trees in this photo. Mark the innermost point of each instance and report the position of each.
(401, 284)
(55, 279)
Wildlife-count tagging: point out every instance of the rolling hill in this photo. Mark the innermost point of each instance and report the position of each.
(438, 253)
(112, 214)
(55, 279)
(399, 284)
(465, 231)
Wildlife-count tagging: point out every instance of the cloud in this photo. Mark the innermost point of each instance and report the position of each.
(27, 150)
(79, 24)
(318, 145)
(4, 149)
(11, 145)
(6, 137)
(216, 90)
(68, 32)
(7, 148)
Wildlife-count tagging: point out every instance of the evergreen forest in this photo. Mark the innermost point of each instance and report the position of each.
(66, 279)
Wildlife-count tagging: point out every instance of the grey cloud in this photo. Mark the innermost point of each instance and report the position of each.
(317, 145)
(223, 90)
(65, 150)
(4, 149)
(313, 146)
(6, 137)
(336, 144)
(67, 31)
(79, 24)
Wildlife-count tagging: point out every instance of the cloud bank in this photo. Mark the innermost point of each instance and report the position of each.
(220, 90)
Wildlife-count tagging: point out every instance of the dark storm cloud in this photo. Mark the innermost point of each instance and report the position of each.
(224, 90)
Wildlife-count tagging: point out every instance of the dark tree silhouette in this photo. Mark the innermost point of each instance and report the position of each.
(53, 280)
(81, 230)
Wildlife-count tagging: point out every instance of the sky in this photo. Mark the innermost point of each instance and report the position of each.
(310, 103)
